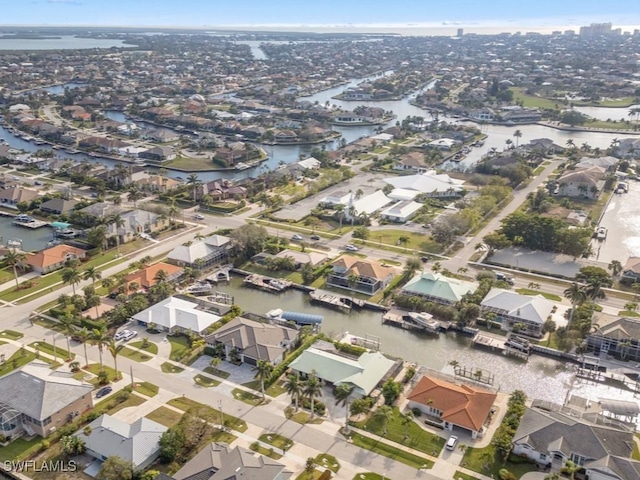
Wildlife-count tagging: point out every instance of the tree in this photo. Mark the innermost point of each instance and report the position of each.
(406, 420)
(15, 259)
(194, 182)
(97, 236)
(549, 326)
(496, 241)
(340, 212)
(263, 372)
(134, 195)
(118, 222)
(412, 265)
(310, 465)
(293, 386)
(404, 240)
(343, 394)
(68, 328)
(570, 469)
(70, 445)
(71, 276)
(361, 232)
(518, 135)
(312, 389)
(100, 338)
(114, 349)
(616, 267)
(577, 294)
(384, 414)
(390, 391)
(359, 406)
(171, 443)
(116, 468)
(93, 274)
(84, 335)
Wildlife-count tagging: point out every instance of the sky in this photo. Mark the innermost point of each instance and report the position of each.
(204, 13)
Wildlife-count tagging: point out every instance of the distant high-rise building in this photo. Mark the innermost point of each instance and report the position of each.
(598, 29)
(460, 32)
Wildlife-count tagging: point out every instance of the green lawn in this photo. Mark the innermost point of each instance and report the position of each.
(473, 460)
(369, 476)
(417, 241)
(184, 403)
(274, 390)
(192, 164)
(532, 101)
(18, 448)
(532, 292)
(267, 452)
(391, 452)
(463, 476)
(133, 401)
(17, 360)
(146, 388)
(636, 452)
(418, 439)
(206, 382)
(165, 416)
(47, 348)
(301, 416)
(328, 461)
(278, 441)
(246, 397)
(151, 347)
(95, 369)
(309, 476)
(217, 372)
(11, 334)
(609, 125)
(628, 313)
(180, 347)
(135, 355)
(168, 367)
(6, 275)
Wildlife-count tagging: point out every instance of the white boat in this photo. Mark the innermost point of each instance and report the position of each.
(23, 218)
(17, 243)
(425, 320)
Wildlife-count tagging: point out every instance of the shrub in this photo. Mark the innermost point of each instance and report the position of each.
(319, 408)
(416, 412)
(354, 350)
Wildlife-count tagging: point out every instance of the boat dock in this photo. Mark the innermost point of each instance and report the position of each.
(499, 343)
(329, 300)
(266, 283)
(414, 321)
(32, 224)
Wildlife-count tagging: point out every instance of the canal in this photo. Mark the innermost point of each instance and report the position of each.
(540, 377)
(31, 239)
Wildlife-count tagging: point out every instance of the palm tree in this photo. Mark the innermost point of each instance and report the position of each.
(616, 267)
(384, 414)
(194, 182)
(412, 265)
(293, 386)
(570, 143)
(436, 267)
(264, 370)
(114, 350)
(99, 337)
(160, 277)
(134, 195)
(517, 134)
(406, 420)
(312, 388)
(116, 200)
(84, 335)
(118, 222)
(16, 260)
(340, 210)
(403, 240)
(577, 294)
(93, 274)
(71, 276)
(594, 288)
(68, 328)
(343, 394)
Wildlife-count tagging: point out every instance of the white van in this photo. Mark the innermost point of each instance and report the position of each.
(452, 442)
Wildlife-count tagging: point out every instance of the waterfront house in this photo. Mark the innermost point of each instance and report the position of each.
(369, 276)
(512, 309)
(138, 443)
(102, 144)
(413, 161)
(136, 223)
(251, 341)
(213, 250)
(435, 287)
(221, 189)
(552, 439)
(631, 270)
(616, 336)
(219, 461)
(429, 184)
(583, 183)
(58, 206)
(543, 146)
(176, 315)
(401, 212)
(334, 368)
(54, 258)
(11, 197)
(453, 406)
(36, 400)
(146, 277)
(158, 155)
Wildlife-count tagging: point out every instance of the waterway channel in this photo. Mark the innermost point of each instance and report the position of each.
(540, 377)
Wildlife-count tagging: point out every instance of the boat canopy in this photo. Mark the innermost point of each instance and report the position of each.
(303, 318)
(60, 225)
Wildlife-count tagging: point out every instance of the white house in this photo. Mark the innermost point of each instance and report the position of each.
(512, 308)
(401, 211)
(428, 183)
(310, 163)
(176, 315)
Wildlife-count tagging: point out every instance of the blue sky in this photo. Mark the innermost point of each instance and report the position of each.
(197, 13)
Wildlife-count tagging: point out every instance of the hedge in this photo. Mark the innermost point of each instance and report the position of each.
(282, 367)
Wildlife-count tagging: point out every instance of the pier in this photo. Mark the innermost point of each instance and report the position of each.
(23, 220)
(414, 321)
(266, 283)
(499, 344)
(329, 300)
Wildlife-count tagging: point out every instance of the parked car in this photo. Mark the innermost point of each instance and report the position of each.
(315, 237)
(297, 237)
(121, 334)
(452, 442)
(130, 334)
(197, 216)
(351, 248)
(103, 392)
(37, 183)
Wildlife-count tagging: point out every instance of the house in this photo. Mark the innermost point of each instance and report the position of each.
(430, 184)
(136, 223)
(583, 182)
(252, 341)
(631, 270)
(456, 406)
(401, 211)
(102, 144)
(443, 144)
(36, 400)
(102, 209)
(58, 206)
(175, 314)
(613, 335)
(512, 308)
(11, 197)
(213, 250)
(366, 205)
(544, 146)
(309, 163)
(552, 439)
(221, 189)
(438, 288)
(138, 443)
(369, 275)
(158, 155)
(157, 183)
(146, 277)
(6, 181)
(336, 198)
(364, 373)
(218, 461)
(54, 258)
(608, 163)
(411, 161)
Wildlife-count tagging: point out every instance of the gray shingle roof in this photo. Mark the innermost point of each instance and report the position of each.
(40, 392)
(534, 309)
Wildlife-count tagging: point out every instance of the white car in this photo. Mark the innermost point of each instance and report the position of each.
(452, 442)
(130, 334)
(121, 334)
(351, 248)
(297, 237)
(197, 216)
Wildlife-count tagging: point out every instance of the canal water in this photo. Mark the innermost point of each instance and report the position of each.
(540, 377)
(65, 42)
(32, 239)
